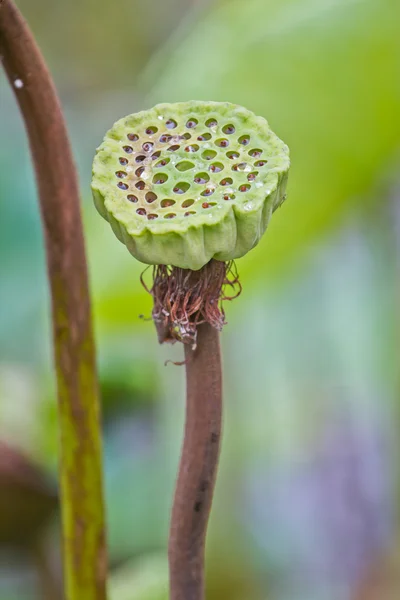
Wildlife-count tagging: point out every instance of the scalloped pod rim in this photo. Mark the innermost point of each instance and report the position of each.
(183, 183)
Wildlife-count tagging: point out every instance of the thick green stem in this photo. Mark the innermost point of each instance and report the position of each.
(198, 466)
(79, 415)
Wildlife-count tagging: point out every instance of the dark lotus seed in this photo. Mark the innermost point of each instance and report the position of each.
(201, 178)
(216, 167)
(151, 130)
(244, 188)
(222, 143)
(255, 153)
(155, 155)
(165, 138)
(139, 171)
(226, 181)
(123, 161)
(252, 176)
(170, 215)
(228, 196)
(163, 162)
(205, 205)
(229, 129)
(171, 124)
(140, 185)
(189, 212)
(161, 178)
(122, 186)
(207, 192)
(235, 168)
(128, 149)
(132, 198)
(211, 123)
(204, 136)
(133, 137)
(187, 203)
(174, 148)
(152, 216)
(244, 140)
(192, 148)
(260, 163)
(120, 174)
(191, 123)
(166, 203)
(141, 211)
(151, 197)
(147, 146)
(140, 158)
(232, 155)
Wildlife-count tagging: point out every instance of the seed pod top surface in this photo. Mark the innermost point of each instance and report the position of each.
(184, 183)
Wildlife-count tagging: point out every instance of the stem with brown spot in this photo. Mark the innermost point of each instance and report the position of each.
(198, 466)
(78, 398)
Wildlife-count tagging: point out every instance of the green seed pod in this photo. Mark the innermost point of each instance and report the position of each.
(184, 183)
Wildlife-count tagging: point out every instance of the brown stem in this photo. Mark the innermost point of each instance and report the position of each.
(198, 466)
(80, 457)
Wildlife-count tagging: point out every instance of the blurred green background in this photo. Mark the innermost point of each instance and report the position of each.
(307, 498)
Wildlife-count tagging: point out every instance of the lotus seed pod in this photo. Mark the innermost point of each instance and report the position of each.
(184, 183)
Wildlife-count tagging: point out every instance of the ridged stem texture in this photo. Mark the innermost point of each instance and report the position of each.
(78, 398)
(198, 466)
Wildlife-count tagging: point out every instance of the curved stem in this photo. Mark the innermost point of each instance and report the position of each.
(198, 467)
(80, 456)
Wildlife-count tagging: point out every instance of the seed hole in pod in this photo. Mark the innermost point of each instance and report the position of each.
(244, 188)
(147, 146)
(216, 167)
(204, 137)
(185, 136)
(174, 148)
(171, 124)
(226, 181)
(141, 211)
(123, 161)
(151, 130)
(244, 140)
(260, 163)
(152, 216)
(170, 216)
(192, 148)
(165, 138)
(252, 176)
(222, 143)
(228, 196)
(167, 202)
(187, 203)
(128, 149)
(140, 185)
(184, 165)
(232, 155)
(156, 155)
(122, 185)
(132, 198)
(181, 187)
(163, 162)
(160, 178)
(208, 192)
(139, 172)
(191, 123)
(208, 204)
(209, 154)
(256, 152)
(202, 178)
(189, 212)
(120, 174)
(239, 167)
(151, 197)
(132, 137)
(211, 123)
(139, 158)
(229, 129)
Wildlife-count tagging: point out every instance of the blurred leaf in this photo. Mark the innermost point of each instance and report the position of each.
(325, 74)
(144, 579)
